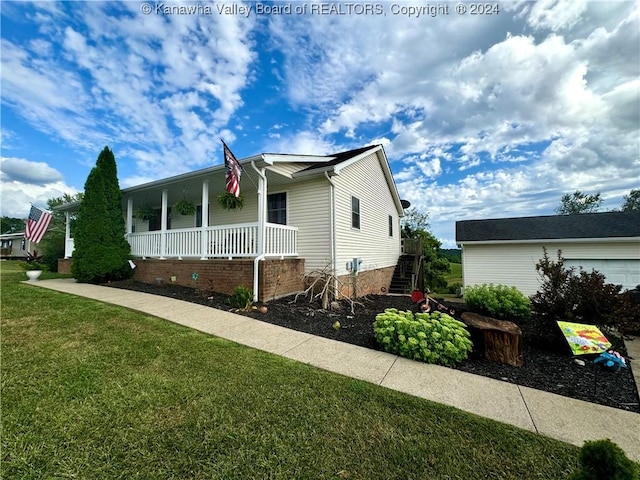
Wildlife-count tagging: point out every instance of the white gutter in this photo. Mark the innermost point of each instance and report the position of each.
(332, 221)
(262, 226)
(550, 240)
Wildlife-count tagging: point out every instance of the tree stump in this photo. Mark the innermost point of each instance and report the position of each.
(501, 340)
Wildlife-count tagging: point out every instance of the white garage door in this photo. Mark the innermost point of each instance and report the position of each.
(618, 272)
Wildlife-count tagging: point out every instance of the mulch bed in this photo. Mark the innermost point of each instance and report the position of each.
(548, 366)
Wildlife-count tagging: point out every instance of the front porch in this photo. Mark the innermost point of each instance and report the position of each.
(222, 241)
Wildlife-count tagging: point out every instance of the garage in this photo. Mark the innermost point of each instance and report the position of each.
(507, 250)
(618, 272)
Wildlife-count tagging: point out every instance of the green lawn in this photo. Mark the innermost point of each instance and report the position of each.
(93, 391)
(456, 274)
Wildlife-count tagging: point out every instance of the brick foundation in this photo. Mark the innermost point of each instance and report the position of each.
(64, 265)
(277, 278)
(371, 282)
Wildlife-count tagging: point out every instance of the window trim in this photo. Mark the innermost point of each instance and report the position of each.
(286, 206)
(358, 213)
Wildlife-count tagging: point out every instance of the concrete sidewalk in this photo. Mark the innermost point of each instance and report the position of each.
(562, 418)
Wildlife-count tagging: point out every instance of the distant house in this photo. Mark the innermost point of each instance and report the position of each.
(302, 214)
(506, 250)
(14, 246)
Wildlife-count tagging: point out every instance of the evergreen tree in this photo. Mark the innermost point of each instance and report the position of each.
(101, 251)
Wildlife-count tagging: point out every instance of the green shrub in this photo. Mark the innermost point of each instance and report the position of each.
(498, 301)
(602, 459)
(242, 298)
(430, 337)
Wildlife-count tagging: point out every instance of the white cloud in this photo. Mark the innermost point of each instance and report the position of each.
(25, 182)
(24, 171)
(123, 78)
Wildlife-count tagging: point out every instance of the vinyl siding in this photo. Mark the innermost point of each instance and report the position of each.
(366, 181)
(308, 205)
(287, 169)
(514, 264)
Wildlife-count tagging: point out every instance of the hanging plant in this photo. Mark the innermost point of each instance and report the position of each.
(185, 207)
(145, 213)
(229, 201)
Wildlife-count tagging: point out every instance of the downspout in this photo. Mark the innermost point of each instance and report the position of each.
(262, 227)
(332, 221)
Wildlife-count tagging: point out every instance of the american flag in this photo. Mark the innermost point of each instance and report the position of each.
(233, 170)
(37, 224)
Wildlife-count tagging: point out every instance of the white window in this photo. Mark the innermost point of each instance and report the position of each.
(355, 212)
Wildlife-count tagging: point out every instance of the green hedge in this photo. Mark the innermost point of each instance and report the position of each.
(430, 337)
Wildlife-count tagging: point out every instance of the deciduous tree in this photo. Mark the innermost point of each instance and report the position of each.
(579, 202)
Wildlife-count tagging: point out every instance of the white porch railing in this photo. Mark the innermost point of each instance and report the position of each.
(239, 240)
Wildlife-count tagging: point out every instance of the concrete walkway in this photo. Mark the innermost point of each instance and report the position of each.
(562, 418)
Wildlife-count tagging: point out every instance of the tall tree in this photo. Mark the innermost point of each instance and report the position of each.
(436, 265)
(579, 202)
(632, 201)
(101, 251)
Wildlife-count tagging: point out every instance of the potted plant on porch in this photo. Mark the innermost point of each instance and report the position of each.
(32, 266)
(145, 213)
(185, 207)
(229, 201)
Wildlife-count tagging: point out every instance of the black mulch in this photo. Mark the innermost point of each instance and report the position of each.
(547, 366)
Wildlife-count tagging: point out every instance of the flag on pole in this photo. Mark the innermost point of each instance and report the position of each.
(233, 170)
(37, 224)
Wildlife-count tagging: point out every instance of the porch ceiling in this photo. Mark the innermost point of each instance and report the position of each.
(191, 187)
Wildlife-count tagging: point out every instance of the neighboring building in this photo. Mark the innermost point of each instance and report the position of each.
(506, 250)
(302, 214)
(13, 246)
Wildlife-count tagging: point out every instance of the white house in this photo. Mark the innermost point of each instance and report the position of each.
(302, 213)
(506, 250)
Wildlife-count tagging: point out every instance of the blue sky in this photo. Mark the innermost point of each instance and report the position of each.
(481, 116)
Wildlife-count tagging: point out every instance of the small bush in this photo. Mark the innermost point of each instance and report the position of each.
(242, 298)
(430, 337)
(602, 459)
(498, 301)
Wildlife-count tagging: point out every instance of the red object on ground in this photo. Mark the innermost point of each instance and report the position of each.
(416, 296)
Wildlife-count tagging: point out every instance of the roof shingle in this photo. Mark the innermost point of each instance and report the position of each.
(586, 225)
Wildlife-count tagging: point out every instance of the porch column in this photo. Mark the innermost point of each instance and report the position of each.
(129, 215)
(205, 220)
(262, 227)
(262, 213)
(163, 225)
(67, 235)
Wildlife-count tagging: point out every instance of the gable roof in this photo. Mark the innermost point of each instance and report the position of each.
(579, 226)
(338, 158)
